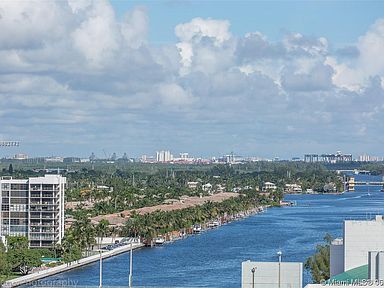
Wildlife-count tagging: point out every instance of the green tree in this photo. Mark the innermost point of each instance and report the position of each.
(20, 257)
(318, 264)
(10, 169)
(70, 249)
(102, 230)
(5, 269)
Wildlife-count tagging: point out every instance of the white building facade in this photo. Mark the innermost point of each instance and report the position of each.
(33, 208)
(360, 237)
(271, 274)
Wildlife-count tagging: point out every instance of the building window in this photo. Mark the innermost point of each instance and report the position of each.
(5, 207)
(5, 186)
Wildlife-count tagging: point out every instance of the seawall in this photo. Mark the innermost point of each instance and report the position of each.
(68, 266)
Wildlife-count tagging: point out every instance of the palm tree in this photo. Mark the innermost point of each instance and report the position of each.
(102, 230)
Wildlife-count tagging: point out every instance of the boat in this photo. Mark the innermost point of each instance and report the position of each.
(196, 229)
(213, 224)
(159, 241)
(216, 223)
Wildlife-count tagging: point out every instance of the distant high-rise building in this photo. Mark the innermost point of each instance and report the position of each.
(33, 208)
(328, 158)
(21, 156)
(369, 158)
(163, 156)
(184, 156)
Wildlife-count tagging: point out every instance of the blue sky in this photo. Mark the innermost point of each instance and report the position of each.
(259, 78)
(342, 22)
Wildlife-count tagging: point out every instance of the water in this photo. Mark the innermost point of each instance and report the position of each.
(213, 259)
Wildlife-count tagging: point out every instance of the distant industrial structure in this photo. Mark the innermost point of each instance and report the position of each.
(328, 158)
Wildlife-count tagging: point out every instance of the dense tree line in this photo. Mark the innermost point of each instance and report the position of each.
(129, 189)
(159, 222)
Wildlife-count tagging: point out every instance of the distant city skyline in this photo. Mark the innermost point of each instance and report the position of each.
(265, 78)
(168, 156)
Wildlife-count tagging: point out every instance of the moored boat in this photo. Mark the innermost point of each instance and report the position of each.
(159, 241)
(196, 229)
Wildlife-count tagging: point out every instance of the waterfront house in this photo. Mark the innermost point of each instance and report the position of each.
(269, 186)
(207, 187)
(192, 184)
(293, 188)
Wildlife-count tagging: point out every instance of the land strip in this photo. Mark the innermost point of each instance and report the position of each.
(118, 219)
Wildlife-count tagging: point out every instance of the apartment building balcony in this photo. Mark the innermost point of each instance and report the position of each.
(47, 216)
(35, 237)
(42, 209)
(35, 216)
(44, 224)
(42, 230)
(43, 203)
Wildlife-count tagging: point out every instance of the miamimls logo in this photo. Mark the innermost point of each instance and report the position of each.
(353, 282)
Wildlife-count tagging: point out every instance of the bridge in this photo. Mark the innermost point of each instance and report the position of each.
(354, 171)
(350, 183)
(369, 183)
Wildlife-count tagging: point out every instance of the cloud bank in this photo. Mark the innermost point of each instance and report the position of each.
(75, 78)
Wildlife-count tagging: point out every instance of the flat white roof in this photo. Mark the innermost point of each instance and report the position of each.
(47, 179)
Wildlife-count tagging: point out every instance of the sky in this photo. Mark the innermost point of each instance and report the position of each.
(257, 78)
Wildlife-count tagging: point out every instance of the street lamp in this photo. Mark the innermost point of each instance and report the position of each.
(101, 271)
(130, 266)
(279, 255)
(253, 270)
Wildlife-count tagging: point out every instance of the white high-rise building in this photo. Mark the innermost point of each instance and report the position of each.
(34, 208)
(184, 156)
(163, 156)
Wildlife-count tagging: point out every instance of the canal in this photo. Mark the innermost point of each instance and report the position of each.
(213, 259)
